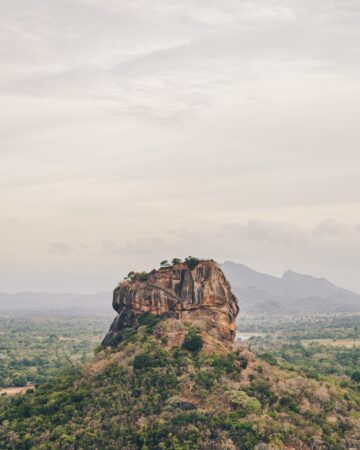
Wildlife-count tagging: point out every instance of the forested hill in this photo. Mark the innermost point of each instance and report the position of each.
(146, 395)
(170, 375)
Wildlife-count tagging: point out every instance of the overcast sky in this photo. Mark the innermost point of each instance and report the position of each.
(133, 131)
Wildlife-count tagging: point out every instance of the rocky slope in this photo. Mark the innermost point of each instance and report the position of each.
(198, 294)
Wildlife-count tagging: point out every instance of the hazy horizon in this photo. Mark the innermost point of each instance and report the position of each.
(137, 131)
(110, 290)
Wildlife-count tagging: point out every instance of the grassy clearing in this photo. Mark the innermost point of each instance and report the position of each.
(16, 390)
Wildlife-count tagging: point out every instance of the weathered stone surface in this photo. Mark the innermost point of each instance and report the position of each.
(201, 295)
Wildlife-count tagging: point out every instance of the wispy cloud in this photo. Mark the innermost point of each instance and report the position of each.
(135, 57)
(59, 247)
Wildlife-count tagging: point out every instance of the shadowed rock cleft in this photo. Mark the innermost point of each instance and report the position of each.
(198, 295)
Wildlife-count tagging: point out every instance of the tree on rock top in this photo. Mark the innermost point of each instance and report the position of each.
(191, 262)
(176, 261)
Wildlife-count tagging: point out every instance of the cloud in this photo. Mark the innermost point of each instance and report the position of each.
(234, 123)
(323, 250)
(332, 227)
(59, 247)
(141, 247)
(330, 249)
(136, 57)
(261, 232)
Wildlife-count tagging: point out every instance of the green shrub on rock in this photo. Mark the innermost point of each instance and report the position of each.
(193, 341)
(206, 379)
(356, 376)
(176, 261)
(191, 262)
(243, 403)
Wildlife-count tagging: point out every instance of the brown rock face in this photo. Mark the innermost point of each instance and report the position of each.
(201, 295)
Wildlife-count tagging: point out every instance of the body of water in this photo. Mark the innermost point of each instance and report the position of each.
(246, 336)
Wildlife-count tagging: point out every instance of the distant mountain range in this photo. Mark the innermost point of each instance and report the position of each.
(293, 293)
(258, 294)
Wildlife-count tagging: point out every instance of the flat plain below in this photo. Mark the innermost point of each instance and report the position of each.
(346, 343)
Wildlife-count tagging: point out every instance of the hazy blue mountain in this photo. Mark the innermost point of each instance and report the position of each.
(260, 293)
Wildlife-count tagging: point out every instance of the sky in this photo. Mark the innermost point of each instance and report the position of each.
(134, 131)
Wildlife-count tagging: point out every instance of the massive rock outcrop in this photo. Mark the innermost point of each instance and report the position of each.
(200, 295)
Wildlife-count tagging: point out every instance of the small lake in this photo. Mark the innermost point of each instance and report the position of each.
(246, 336)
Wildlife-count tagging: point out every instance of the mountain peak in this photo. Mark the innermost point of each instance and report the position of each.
(296, 275)
(290, 274)
(292, 293)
